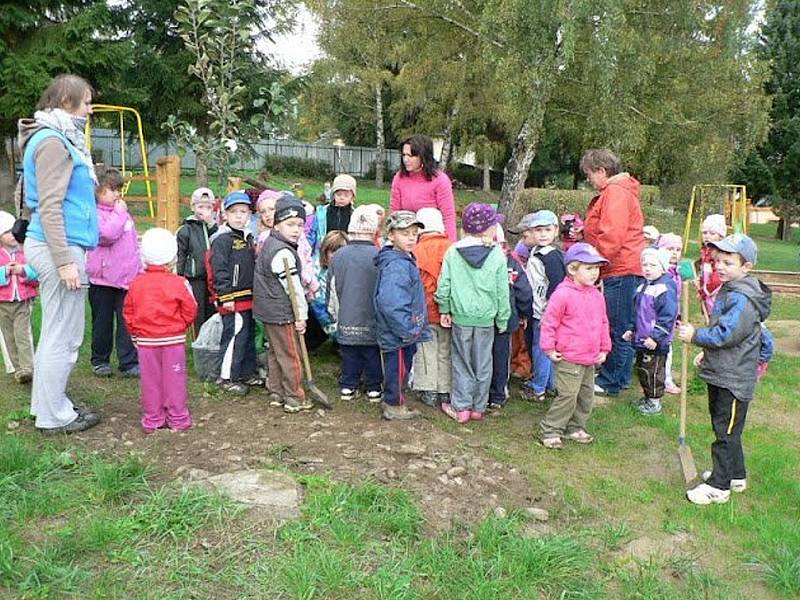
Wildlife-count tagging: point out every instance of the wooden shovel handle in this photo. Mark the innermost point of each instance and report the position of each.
(684, 367)
(296, 313)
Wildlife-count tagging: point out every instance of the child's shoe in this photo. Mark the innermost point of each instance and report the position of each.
(293, 404)
(234, 387)
(460, 416)
(275, 399)
(400, 412)
(255, 381)
(494, 407)
(475, 416)
(347, 394)
(429, 399)
(132, 372)
(375, 396)
(737, 485)
(671, 388)
(705, 494)
(442, 397)
(551, 443)
(580, 436)
(651, 407)
(102, 370)
(23, 376)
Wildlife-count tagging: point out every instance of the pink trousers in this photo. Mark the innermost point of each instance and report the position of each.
(163, 387)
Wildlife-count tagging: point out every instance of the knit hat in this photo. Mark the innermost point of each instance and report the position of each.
(478, 217)
(344, 182)
(522, 251)
(715, 224)
(365, 219)
(202, 194)
(670, 241)
(234, 198)
(159, 247)
(661, 255)
(431, 218)
(289, 206)
(268, 195)
(6, 222)
(650, 233)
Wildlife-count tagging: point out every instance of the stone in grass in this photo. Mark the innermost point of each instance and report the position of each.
(411, 450)
(538, 514)
(273, 492)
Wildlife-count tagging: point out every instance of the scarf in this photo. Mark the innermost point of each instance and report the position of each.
(72, 129)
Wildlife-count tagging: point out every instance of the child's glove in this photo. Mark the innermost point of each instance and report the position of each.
(761, 370)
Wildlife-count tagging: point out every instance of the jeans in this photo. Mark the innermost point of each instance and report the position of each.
(472, 367)
(396, 365)
(544, 372)
(615, 374)
(358, 360)
(106, 303)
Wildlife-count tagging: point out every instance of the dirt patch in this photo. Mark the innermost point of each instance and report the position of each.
(450, 475)
(787, 336)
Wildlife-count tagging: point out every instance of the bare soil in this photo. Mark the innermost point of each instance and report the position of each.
(787, 336)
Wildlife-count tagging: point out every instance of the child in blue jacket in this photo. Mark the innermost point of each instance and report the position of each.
(400, 313)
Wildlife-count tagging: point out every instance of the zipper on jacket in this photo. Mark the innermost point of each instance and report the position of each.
(235, 276)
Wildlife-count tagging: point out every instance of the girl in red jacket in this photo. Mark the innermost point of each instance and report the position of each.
(158, 310)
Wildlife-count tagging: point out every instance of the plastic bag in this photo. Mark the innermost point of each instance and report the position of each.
(207, 355)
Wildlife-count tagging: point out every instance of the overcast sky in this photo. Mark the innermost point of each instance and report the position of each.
(297, 50)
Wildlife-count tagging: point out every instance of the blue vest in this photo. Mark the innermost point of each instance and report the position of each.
(79, 209)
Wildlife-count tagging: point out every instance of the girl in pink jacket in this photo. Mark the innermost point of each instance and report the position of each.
(575, 335)
(111, 267)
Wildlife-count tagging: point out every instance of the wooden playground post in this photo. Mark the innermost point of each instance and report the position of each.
(168, 176)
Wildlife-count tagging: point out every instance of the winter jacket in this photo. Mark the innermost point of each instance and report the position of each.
(327, 218)
(473, 285)
(575, 323)
(399, 301)
(733, 339)
(613, 225)
(545, 271)
(272, 302)
(159, 307)
(14, 288)
(655, 311)
(429, 252)
(351, 287)
(521, 294)
(115, 262)
(193, 238)
(709, 278)
(413, 191)
(232, 263)
(59, 192)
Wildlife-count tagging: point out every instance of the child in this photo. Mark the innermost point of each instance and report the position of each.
(321, 322)
(672, 243)
(473, 299)
(232, 263)
(18, 282)
(336, 215)
(158, 309)
(713, 229)
(731, 345)
(111, 267)
(351, 286)
(545, 270)
(655, 311)
(193, 243)
(273, 306)
(575, 335)
(400, 313)
(432, 360)
(521, 298)
(571, 230)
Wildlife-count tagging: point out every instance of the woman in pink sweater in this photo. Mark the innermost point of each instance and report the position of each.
(420, 184)
(575, 335)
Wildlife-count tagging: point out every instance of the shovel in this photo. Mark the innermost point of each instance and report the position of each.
(686, 271)
(317, 393)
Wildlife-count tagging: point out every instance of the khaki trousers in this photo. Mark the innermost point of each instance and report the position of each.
(570, 410)
(432, 363)
(15, 324)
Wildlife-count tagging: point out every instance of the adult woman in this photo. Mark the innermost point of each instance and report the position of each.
(613, 225)
(420, 184)
(59, 187)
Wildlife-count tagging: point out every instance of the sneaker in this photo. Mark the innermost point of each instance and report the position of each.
(23, 376)
(737, 485)
(580, 436)
(671, 388)
(442, 397)
(637, 402)
(460, 416)
(275, 399)
(552, 443)
(603, 392)
(132, 372)
(348, 394)
(84, 421)
(430, 399)
(102, 370)
(255, 381)
(551, 393)
(401, 412)
(475, 416)
(651, 407)
(375, 396)
(235, 387)
(540, 398)
(293, 404)
(494, 407)
(705, 494)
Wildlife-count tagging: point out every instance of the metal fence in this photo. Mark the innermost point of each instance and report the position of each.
(355, 160)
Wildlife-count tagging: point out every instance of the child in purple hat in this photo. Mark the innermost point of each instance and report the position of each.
(575, 336)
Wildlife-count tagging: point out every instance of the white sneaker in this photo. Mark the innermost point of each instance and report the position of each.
(348, 394)
(598, 390)
(737, 485)
(705, 494)
(375, 397)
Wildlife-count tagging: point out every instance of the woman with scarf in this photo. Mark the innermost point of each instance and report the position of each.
(59, 191)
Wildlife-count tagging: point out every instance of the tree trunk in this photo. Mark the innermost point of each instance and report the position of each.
(447, 144)
(487, 173)
(516, 170)
(7, 175)
(201, 171)
(784, 232)
(380, 140)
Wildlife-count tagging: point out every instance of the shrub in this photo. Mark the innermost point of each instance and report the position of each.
(302, 167)
(571, 201)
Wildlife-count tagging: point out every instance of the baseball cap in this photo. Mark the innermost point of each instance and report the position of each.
(402, 219)
(738, 243)
(539, 218)
(583, 252)
(202, 194)
(235, 198)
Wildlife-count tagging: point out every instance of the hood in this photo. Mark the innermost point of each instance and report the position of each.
(758, 293)
(624, 180)
(473, 251)
(27, 127)
(389, 254)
